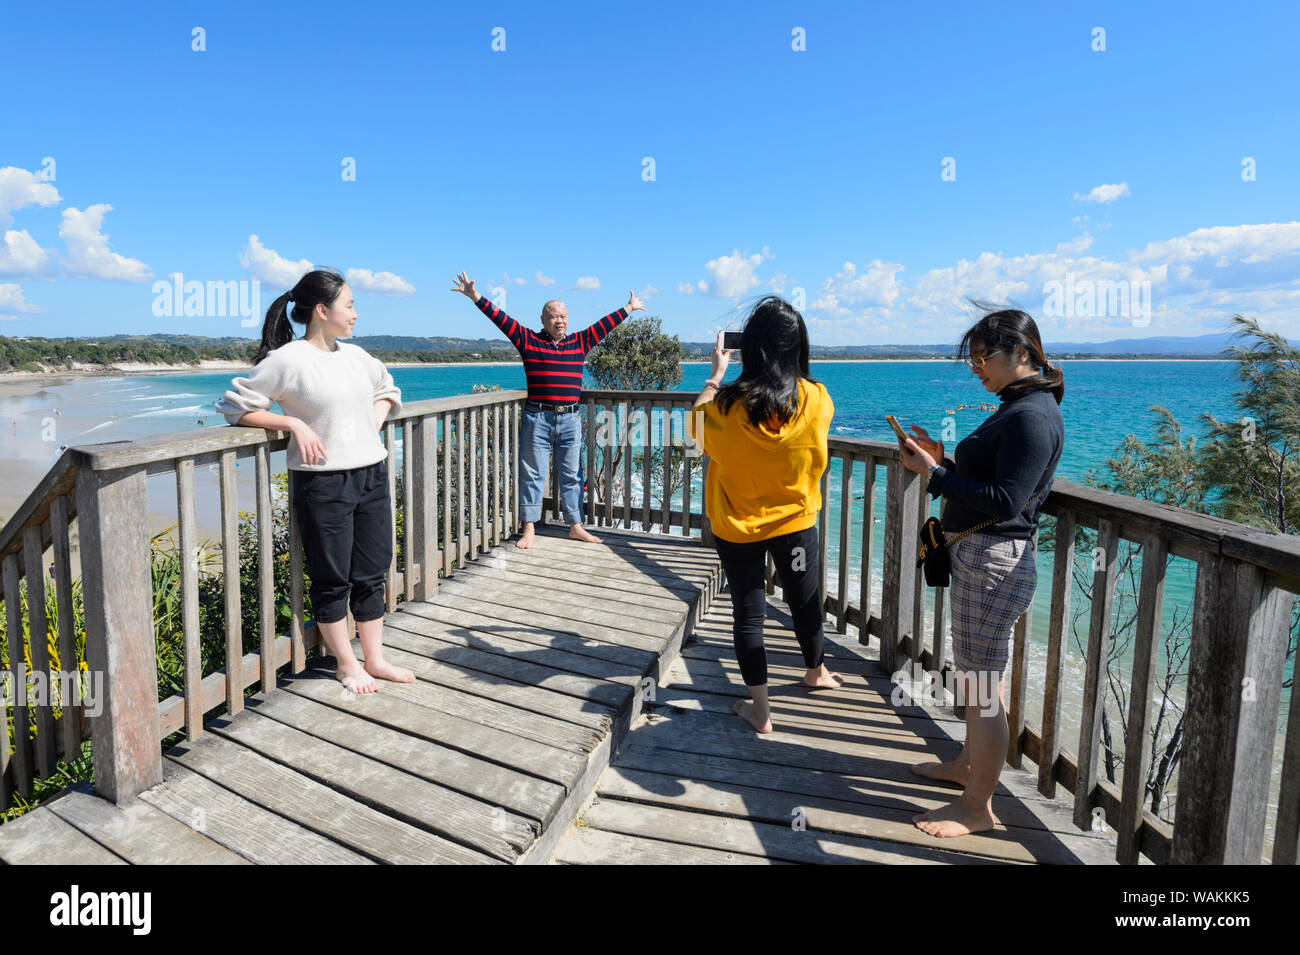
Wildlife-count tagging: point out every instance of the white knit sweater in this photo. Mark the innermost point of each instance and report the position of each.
(333, 392)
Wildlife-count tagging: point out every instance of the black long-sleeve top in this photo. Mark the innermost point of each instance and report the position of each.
(1009, 458)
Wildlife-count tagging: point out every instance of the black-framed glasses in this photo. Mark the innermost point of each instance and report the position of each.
(976, 362)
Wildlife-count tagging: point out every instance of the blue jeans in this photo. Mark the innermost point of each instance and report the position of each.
(539, 432)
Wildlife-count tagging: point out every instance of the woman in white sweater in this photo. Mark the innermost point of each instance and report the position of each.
(335, 397)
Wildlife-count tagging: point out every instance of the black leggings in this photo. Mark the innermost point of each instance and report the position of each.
(745, 565)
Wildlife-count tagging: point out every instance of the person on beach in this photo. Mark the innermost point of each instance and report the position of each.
(553, 362)
(1010, 458)
(766, 438)
(335, 397)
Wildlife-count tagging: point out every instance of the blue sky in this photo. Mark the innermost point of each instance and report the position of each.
(816, 173)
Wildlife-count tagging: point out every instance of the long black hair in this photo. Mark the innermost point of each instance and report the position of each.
(1009, 328)
(774, 356)
(320, 287)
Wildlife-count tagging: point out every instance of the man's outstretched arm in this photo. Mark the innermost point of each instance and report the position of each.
(591, 336)
(512, 329)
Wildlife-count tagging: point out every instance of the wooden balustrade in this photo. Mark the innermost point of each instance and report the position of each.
(459, 497)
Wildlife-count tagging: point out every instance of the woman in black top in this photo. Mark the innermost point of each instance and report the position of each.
(1003, 464)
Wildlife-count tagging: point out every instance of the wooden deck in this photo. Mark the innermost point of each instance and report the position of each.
(531, 670)
(693, 784)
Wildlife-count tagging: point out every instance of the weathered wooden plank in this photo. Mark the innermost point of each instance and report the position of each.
(265, 570)
(754, 838)
(654, 579)
(1058, 624)
(40, 837)
(418, 634)
(627, 593)
(494, 605)
(229, 819)
(772, 802)
(516, 668)
(1239, 637)
(868, 526)
(411, 710)
(1137, 759)
(437, 809)
(1105, 563)
(22, 763)
(900, 556)
(72, 729)
(466, 621)
(486, 785)
(139, 833)
(114, 549)
(582, 845)
(1019, 673)
(189, 596)
(594, 716)
(297, 619)
(230, 583)
(568, 604)
(315, 806)
(38, 642)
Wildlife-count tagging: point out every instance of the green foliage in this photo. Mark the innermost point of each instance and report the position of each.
(638, 356)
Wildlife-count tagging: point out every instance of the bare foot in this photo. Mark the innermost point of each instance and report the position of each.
(745, 710)
(580, 533)
(356, 679)
(954, 771)
(955, 819)
(823, 679)
(386, 671)
(526, 539)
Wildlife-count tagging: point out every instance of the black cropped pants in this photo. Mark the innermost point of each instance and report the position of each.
(345, 518)
(796, 558)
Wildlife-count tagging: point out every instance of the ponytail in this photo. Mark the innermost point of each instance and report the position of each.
(318, 287)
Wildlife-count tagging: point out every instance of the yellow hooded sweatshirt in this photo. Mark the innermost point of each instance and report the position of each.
(765, 480)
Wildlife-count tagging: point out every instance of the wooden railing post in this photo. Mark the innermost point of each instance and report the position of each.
(421, 519)
(1239, 638)
(117, 583)
(900, 561)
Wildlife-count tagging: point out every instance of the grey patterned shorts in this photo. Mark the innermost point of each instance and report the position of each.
(993, 583)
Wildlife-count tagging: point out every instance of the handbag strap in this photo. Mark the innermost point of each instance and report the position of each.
(949, 541)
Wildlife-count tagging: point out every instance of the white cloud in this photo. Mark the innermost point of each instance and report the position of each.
(545, 281)
(20, 255)
(587, 283)
(11, 300)
(687, 288)
(646, 292)
(875, 287)
(269, 266)
(20, 188)
(88, 255)
(732, 275)
(382, 283)
(778, 282)
(1107, 192)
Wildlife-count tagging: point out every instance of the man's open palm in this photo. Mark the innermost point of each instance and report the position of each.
(465, 285)
(633, 303)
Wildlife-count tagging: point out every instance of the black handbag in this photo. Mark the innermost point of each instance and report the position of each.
(933, 553)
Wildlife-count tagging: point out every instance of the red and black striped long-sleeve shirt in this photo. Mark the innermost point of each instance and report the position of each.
(553, 369)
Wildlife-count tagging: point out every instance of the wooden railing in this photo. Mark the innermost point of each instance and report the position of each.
(459, 497)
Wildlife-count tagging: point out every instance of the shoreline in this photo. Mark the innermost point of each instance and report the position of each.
(214, 365)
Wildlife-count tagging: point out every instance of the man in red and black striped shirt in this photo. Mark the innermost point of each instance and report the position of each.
(553, 362)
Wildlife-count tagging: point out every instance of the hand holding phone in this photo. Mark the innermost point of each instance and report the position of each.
(898, 429)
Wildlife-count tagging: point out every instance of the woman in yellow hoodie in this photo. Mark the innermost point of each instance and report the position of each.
(765, 435)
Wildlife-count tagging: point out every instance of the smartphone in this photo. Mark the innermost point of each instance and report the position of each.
(898, 429)
(730, 340)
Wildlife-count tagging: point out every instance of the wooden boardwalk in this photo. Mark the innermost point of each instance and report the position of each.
(693, 784)
(530, 669)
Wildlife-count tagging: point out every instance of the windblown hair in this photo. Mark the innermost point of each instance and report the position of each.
(320, 287)
(773, 356)
(1008, 329)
